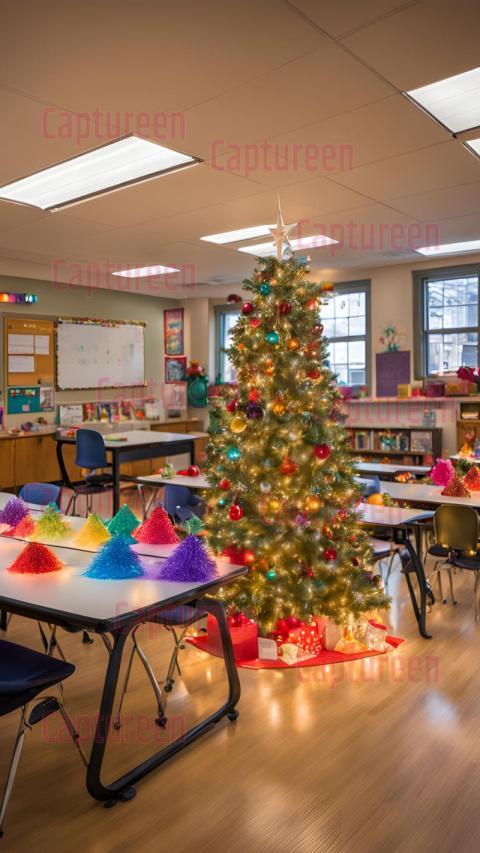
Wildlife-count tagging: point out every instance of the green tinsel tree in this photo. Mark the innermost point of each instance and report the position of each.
(283, 491)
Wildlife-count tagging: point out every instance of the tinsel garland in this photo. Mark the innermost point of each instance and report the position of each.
(123, 522)
(115, 561)
(157, 529)
(93, 533)
(189, 563)
(13, 512)
(35, 559)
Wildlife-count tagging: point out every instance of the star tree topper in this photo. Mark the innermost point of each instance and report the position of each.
(281, 233)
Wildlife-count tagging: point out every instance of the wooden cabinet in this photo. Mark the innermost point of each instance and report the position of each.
(7, 472)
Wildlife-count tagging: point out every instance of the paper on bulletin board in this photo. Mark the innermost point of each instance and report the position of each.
(20, 344)
(21, 364)
(42, 345)
(47, 398)
(23, 400)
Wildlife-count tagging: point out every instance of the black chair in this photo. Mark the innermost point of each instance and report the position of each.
(173, 618)
(90, 454)
(457, 531)
(24, 674)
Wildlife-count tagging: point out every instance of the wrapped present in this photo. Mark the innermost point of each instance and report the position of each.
(349, 645)
(376, 637)
(333, 633)
(244, 634)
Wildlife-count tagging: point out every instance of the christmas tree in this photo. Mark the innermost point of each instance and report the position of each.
(283, 493)
(123, 523)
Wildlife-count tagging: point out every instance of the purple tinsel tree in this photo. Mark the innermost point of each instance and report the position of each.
(189, 563)
(13, 512)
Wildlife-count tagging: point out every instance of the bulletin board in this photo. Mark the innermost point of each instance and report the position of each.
(29, 352)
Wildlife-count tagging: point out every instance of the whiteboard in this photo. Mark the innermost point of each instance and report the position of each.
(99, 354)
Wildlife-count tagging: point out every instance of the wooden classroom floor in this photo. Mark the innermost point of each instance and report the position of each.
(365, 757)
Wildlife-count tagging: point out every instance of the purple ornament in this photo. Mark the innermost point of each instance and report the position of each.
(302, 520)
(189, 563)
(254, 411)
(13, 512)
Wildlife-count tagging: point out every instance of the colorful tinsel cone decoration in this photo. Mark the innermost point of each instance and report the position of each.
(13, 512)
(194, 525)
(93, 533)
(456, 489)
(157, 529)
(115, 561)
(25, 528)
(472, 479)
(35, 559)
(189, 563)
(52, 525)
(442, 472)
(123, 523)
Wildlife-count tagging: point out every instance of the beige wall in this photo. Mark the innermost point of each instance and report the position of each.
(64, 300)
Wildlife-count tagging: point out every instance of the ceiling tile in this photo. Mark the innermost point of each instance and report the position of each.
(340, 18)
(441, 204)
(422, 43)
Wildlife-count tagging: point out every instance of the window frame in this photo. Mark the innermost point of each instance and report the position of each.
(421, 332)
(360, 286)
(220, 312)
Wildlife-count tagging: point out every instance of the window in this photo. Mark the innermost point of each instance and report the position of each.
(226, 318)
(346, 322)
(447, 319)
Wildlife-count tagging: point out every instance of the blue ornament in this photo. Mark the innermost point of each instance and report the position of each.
(234, 454)
(272, 337)
(221, 502)
(265, 288)
(271, 575)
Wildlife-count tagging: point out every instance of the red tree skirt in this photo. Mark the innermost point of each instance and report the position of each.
(325, 657)
(35, 559)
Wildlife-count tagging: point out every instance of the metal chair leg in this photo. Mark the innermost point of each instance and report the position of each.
(141, 494)
(17, 751)
(450, 580)
(118, 722)
(475, 589)
(71, 729)
(161, 719)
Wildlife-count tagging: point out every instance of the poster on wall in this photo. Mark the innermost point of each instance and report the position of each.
(23, 400)
(393, 369)
(175, 369)
(173, 331)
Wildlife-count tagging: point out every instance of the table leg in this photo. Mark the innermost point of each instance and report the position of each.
(122, 788)
(192, 453)
(116, 482)
(425, 591)
(3, 620)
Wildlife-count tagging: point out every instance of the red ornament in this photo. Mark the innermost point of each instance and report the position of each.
(355, 562)
(193, 471)
(248, 308)
(235, 512)
(249, 557)
(35, 559)
(293, 622)
(312, 304)
(282, 627)
(322, 451)
(224, 484)
(255, 322)
(318, 329)
(285, 308)
(254, 395)
(232, 405)
(330, 554)
(288, 466)
(157, 529)
(314, 374)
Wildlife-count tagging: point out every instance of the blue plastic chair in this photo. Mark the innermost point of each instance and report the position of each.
(90, 454)
(181, 503)
(371, 487)
(24, 674)
(40, 493)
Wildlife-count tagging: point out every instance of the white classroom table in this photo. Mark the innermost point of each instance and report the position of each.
(403, 520)
(389, 470)
(130, 447)
(199, 482)
(67, 599)
(424, 493)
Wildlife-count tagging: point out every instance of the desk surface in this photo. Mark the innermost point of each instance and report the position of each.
(425, 493)
(137, 437)
(66, 596)
(384, 468)
(389, 516)
(199, 482)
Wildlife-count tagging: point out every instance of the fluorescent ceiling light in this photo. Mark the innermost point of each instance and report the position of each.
(455, 102)
(316, 241)
(474, 144)
(143, 272)
(239, 234)
(118, 164)
(451, 248)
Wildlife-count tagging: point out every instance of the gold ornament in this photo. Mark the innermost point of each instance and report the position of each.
(293, 344)
(238, 424)
(278, 407)
(274, 505)
(313, 503)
